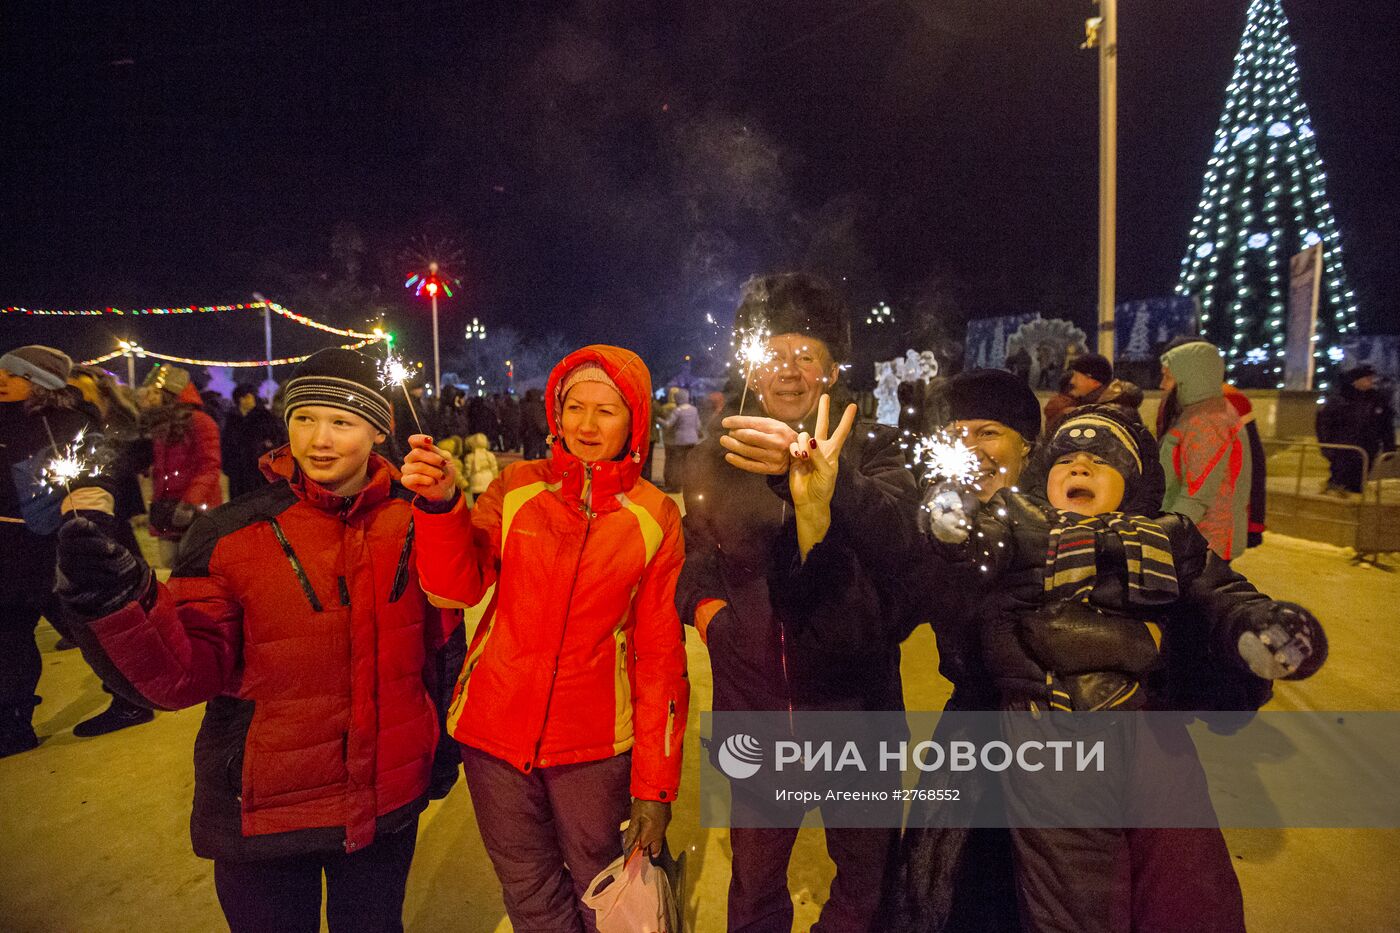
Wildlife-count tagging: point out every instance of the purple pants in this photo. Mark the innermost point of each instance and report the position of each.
(549, 833)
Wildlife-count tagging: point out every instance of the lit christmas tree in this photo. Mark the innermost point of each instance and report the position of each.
(1264, 199)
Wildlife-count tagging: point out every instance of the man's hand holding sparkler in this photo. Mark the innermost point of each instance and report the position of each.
(757, 444)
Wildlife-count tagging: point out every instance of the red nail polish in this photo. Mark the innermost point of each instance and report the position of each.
(812, 443)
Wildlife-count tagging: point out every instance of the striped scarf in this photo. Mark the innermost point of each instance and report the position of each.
(1071, 565)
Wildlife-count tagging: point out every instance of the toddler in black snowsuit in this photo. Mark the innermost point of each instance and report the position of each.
(1105, 604)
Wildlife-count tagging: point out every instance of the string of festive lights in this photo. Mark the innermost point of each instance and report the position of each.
(93, 312)
(1263, 200)
(140, 351)
(272, 306)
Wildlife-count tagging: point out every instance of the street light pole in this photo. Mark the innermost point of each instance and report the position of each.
(267, 332)
(437, 357)
(129, 348)
(1102, 32)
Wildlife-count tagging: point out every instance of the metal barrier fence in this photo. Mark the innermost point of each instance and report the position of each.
(1362, 520)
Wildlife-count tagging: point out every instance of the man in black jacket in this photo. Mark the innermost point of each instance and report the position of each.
(787, 634)
(249, 432)
(1359, 414)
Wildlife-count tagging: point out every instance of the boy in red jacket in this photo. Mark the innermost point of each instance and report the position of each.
(295, 614)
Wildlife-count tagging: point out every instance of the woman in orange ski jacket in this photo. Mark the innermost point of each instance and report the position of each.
(573, 698)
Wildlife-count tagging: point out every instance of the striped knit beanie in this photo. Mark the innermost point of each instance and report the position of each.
(1105, 432)
(340, 379)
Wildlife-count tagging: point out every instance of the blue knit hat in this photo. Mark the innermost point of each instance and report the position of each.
(43, 366)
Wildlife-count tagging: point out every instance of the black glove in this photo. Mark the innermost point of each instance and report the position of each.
(183, 516)
(96, 575)
(646, 830)
(1290, 646)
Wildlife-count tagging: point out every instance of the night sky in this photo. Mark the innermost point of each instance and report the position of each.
(613, 171)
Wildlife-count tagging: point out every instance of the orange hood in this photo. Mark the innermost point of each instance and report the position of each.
(634, 380)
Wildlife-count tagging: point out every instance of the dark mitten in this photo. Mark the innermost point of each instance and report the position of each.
(184, 516)
(1291, 645)
(96, 576)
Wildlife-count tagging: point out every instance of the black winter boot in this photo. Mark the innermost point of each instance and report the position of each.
(17, 730)
(117, 716)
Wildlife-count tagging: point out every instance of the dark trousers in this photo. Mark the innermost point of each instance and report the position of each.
(1144, 878)
(364, 891)
(549, 833)
(674, 467)
(759, 900)
(26, 594)
(20, 664)
(1345, 470)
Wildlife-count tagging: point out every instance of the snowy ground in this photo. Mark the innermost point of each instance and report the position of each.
(93, 833)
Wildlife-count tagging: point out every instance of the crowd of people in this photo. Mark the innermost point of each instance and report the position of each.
(317, 615)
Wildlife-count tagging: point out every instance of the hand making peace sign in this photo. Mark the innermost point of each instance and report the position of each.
(816, 457)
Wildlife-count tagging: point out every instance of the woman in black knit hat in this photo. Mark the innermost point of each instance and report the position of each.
(953, 877)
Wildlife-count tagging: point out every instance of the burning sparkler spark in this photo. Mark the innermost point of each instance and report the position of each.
(68, 464)
(751, 353)
(395, 372)
(946, 458)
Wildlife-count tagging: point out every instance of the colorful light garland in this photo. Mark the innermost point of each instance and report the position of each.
(272, 306)
(236, 364)
(92, 312)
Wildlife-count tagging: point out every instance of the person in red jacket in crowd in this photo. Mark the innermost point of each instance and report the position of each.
(296, 615)
(1170, 410)
(187, 457)
(572, 705)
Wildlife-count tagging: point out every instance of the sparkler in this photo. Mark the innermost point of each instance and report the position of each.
(395, 372)
(947, 459)
(952, 469)
(67, 464)
(753, 351)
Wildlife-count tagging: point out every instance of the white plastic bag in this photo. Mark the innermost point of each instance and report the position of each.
(632, 897)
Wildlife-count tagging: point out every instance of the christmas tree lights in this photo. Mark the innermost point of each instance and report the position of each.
(1263, 200)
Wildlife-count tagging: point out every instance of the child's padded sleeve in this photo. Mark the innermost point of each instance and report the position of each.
(1228, 602)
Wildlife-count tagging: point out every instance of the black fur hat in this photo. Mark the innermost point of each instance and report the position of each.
(994, 395)
(1093, 365)
(796, 303)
